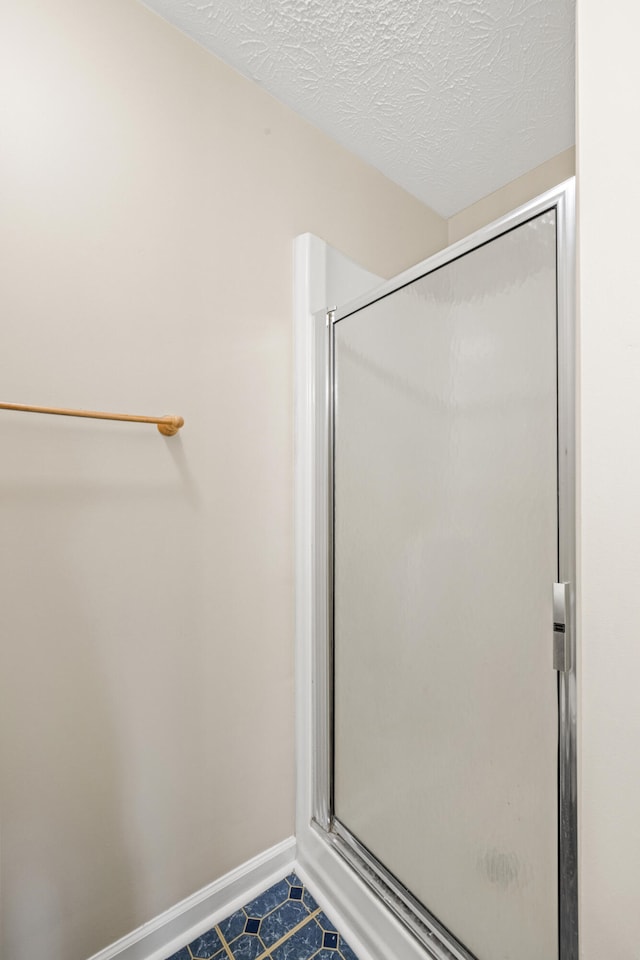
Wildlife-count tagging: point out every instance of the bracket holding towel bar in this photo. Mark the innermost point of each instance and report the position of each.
(168, 426)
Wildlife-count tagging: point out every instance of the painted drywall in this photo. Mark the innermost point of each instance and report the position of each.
(150, 197)
(609, 292)
(512, 195)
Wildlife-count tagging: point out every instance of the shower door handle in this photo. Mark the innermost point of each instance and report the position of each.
(562, 627)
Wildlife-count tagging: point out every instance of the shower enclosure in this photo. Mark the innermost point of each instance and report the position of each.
(444, 733)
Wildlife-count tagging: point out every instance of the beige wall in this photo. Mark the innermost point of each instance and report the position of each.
(609, 289)
(512, 195)
(150, 196)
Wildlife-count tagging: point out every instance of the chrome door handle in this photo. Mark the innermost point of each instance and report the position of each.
(562, 627)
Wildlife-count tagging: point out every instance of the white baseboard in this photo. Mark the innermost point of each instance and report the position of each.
(171, 930)
(367, 924)
(332, 906)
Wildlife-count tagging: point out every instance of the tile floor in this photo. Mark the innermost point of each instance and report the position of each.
(283, 923)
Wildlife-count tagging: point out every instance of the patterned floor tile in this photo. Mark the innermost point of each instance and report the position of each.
(309, 902)
(268, 900)
(206, 946)
(282, 923)
(346, 951)
(233, 926)
(247, 947)
(324, 921)
(301, 945)
(281, 920)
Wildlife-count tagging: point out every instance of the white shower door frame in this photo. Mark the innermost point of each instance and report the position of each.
(437, 940)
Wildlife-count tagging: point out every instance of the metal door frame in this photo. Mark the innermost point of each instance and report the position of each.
(439, 942)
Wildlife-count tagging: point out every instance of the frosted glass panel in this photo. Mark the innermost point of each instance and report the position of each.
(446, 537)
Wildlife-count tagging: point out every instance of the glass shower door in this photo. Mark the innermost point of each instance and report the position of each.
(445, 549)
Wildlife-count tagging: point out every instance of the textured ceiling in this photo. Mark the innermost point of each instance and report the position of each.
(451, 99)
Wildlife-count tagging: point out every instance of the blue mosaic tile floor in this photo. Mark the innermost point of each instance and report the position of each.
(283, 923)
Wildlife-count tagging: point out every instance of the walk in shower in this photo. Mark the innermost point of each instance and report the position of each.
(445, 660)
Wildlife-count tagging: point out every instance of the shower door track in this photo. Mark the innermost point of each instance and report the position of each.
(439, 942)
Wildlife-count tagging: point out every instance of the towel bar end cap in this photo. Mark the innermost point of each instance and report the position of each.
(170, 426)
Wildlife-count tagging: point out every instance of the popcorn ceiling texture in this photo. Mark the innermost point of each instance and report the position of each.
(451, 99)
